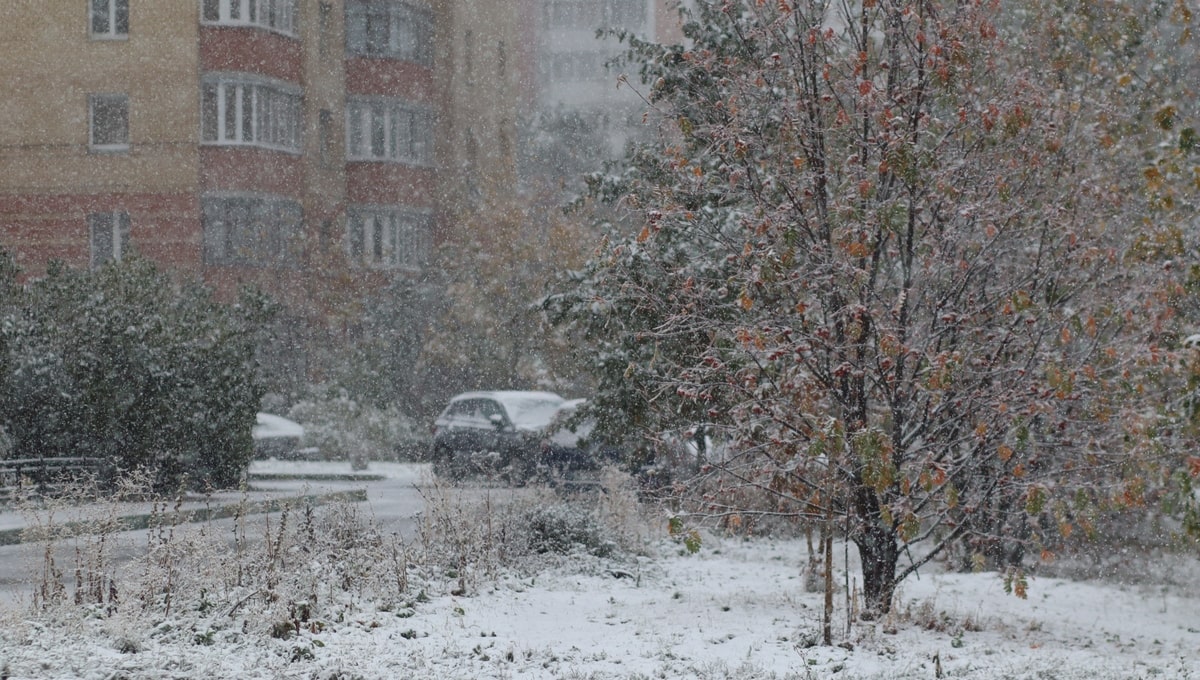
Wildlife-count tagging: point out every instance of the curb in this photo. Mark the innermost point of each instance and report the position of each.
(328, 477)
(151, 521)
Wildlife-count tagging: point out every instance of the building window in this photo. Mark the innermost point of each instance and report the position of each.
(251, 231)
(388, 130)
(110, 18)
(324, 28)
(389, 28)
(574, 67)
(590, 15)
(325, 138)
(108, 122)
(108, 234)
(246, 111)
(468, 56)
(275, 15)
(387, 237)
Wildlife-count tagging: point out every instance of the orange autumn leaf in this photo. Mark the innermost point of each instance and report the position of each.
(745, 302)
(1004, 452)
(857, 249)
(644, 235)
(1194, 466)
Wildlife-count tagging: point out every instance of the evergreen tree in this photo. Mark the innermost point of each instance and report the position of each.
(125, 366)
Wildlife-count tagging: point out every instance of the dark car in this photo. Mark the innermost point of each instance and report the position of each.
(492, 434)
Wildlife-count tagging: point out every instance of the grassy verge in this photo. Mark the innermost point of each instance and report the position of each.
(151, 519)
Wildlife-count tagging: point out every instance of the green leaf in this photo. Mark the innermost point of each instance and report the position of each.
(1188, 139)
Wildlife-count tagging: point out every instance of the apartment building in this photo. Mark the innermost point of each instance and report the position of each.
(479, 70)
(581, 113)
(283, 143)
(315, 148)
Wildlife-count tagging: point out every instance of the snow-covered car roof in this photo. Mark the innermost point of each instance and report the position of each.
(572, 404)
(528, 410)
(272, 426)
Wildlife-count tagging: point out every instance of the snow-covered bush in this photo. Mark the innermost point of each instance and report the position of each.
(126, 366)
(6, 444)
(564, 528)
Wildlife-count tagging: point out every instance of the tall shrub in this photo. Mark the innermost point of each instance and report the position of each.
(126, 366)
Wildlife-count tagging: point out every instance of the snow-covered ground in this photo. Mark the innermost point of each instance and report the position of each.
(737, 609)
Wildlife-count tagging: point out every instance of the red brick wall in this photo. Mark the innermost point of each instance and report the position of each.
(389, 78)
(251, 169)
(164, 227)
(251, 50)
(391, 183)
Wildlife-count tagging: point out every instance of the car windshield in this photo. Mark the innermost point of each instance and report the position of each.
(531, 413)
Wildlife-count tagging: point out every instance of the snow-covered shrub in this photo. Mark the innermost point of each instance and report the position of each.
(564, 528)
(126, 366)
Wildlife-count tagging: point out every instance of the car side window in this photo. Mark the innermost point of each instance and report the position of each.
(466, 412)
(489, 408)
(492, 409)
(473, 412)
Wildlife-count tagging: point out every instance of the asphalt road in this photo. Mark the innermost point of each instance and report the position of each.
(395, 496)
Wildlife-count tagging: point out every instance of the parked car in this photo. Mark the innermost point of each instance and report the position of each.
(571, 452)
(494, 434)
(277, 437)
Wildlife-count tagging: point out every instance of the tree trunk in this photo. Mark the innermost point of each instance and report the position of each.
(879, 552)
(827, 547)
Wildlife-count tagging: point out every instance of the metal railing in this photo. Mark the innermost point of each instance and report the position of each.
(44, 473)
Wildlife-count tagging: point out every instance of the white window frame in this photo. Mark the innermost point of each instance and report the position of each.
(590, 15)
(112, 226)
(113, 9)
(251, 111)
(387, 236)
(385, 129)
(107, 146)
(409, 30)
(279, 16)
(268, 237)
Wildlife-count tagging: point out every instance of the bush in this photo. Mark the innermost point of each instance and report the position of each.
(563, 528)
(126, 366)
